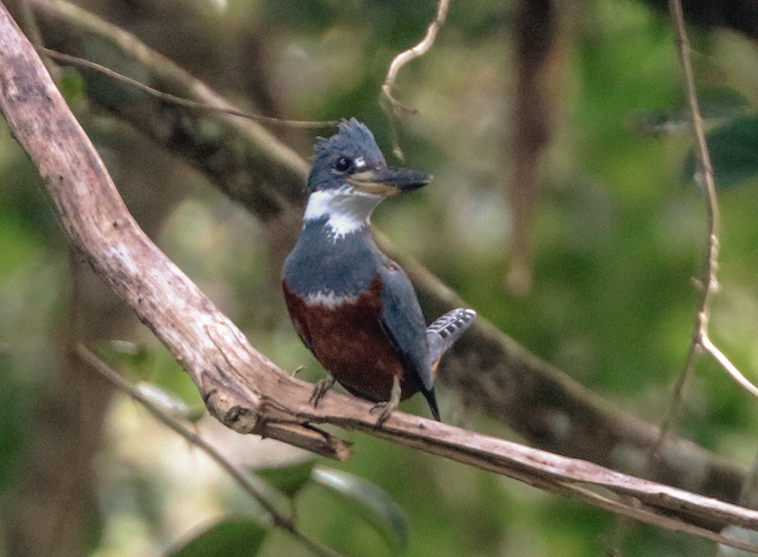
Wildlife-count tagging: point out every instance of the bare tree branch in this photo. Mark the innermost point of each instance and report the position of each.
(241, 387)
(488, 369)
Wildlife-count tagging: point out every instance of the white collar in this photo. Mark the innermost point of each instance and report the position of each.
(347, 210)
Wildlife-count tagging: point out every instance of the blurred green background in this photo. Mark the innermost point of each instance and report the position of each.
(618, 241)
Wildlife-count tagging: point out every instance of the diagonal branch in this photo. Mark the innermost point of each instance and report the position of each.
(489, 370)
(240, 386)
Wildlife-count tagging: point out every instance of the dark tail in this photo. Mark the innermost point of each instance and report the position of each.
(445, 331)
(432, 400)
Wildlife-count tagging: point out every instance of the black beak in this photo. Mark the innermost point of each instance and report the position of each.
(389, 181)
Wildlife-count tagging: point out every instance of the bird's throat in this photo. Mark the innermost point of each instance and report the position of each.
(346, 210)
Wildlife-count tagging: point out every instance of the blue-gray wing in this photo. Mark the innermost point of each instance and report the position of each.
(404, 322)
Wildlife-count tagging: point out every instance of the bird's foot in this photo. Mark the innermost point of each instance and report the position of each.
(386, 408)
(320, 390)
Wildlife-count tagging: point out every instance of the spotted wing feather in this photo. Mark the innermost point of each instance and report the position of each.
(443, 333)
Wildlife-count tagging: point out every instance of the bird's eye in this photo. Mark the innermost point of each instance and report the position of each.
(343, 164)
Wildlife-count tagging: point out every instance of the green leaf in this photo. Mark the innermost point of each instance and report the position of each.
(233, 537)
(721, 102)
(290, 479)
(734, 152)
(126, 353)
(371, 503)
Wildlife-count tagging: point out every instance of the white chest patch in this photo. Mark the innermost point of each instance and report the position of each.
(346, 209)
(329, 299)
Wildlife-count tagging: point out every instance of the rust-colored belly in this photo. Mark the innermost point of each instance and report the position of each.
(348, 340)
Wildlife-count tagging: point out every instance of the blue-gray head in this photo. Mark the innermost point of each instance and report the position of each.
(353, 157)
(350, 177)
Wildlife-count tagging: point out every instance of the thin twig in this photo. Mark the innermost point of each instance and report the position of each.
(704, 177)
(728, 366)
(80, 62)
(193, 438)
(390, 104)
(407, 55)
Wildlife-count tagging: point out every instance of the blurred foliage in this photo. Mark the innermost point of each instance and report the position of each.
(734, 151)
(228, 538)
(370, 503)
(619, 238)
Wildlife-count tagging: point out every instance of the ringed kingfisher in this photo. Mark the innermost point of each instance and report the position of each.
(353, 307)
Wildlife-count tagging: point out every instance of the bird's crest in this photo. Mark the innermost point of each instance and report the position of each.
(353, 140)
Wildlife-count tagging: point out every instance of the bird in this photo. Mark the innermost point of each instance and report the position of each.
(352, 306)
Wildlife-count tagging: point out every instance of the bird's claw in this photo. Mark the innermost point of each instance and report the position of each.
(384, 409)
(320, 390)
